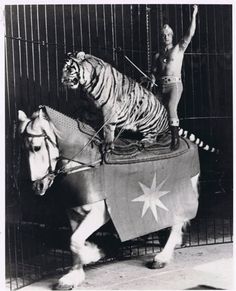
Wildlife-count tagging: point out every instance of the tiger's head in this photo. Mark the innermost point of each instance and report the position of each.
(71, 70)
(78, 69)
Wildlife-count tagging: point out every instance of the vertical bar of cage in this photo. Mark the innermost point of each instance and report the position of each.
(148, 40)
(39, 52)
(63, 260)
(33, 50)
(183, 72)
(104, 26)
(152, 239)
(206, 229)
(139, 35)
(145, 246)
(13, 63)
(231, 228)
(215, 34)
(19, 41)
(32, 46)
(191, 65)
(19, 68)
(200, 58)
(64, 41)
(113, 33)
(161, 15)
(190, 236)
(30, 250)
(223, 230)
(64, 28)
(215, 56)
(7, 89)
(132, 33)
(56, 49)
(96, 20)
(176, 22)
(26, 56)
(89, 28)
(72, 27)
(158, 19)
(123, 27)
(42, 250)
(47, 50)
(224, 52)
(81, 28)
(15, 255)
(208, 66)
(123, 33)
(21, 252)
(214, 229)
(8, 232)
(198, 233)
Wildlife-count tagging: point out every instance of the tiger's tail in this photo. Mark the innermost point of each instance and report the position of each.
(197, 141)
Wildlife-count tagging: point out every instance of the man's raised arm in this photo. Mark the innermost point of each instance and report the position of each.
(190, 33)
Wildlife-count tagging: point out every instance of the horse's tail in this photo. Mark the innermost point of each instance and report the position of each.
(197, 141)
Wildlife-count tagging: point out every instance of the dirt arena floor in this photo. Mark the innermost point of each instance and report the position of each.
(203, 267)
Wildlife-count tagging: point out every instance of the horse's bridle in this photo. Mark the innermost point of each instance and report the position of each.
(52, 174)
(47, 139)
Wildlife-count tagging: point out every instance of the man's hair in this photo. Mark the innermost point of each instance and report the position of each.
(166, 29)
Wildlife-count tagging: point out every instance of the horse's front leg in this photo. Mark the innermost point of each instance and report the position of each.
(165, 256)
(84, 221)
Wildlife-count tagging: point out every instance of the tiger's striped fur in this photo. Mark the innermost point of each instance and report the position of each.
(124, 102)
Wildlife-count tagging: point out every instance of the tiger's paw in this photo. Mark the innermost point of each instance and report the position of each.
(107, 147)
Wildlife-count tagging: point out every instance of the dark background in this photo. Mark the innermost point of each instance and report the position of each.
(38, 38)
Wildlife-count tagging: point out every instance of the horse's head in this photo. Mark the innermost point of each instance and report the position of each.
(40, 143)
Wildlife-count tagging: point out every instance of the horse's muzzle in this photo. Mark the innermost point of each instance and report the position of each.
(41, 186)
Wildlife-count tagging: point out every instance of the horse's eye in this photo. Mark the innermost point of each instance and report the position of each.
(36, 148)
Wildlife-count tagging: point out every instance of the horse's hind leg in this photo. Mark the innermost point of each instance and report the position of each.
(164, 257)
(95, 215)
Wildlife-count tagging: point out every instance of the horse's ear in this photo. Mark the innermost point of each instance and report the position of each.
(41, 113)
(23, 121)
(22, 116)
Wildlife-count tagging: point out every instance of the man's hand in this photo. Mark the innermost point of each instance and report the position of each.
(148, 82)
(195, 10)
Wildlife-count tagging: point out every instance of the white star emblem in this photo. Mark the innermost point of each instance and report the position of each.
(151, 197)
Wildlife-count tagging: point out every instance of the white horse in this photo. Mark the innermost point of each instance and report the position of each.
(44, 153)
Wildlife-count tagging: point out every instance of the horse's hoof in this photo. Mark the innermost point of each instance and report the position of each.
(59, 286)
(156, 265)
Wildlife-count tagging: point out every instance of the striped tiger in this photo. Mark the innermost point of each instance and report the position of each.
(125, 104)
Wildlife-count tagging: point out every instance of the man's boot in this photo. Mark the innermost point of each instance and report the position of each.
(174, 128)
(174, 137)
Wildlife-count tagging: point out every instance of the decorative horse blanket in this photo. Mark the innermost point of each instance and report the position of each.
(151, 192)
(145, 190)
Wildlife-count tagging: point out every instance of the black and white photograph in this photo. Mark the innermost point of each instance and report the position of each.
(117, 126)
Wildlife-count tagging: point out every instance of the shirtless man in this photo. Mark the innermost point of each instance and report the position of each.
(166, 71)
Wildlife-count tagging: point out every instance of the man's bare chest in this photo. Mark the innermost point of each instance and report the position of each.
(166, 57)
(169, 59)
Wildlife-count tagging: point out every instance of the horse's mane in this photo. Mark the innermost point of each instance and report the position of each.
(56, 131)
(64, 125)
